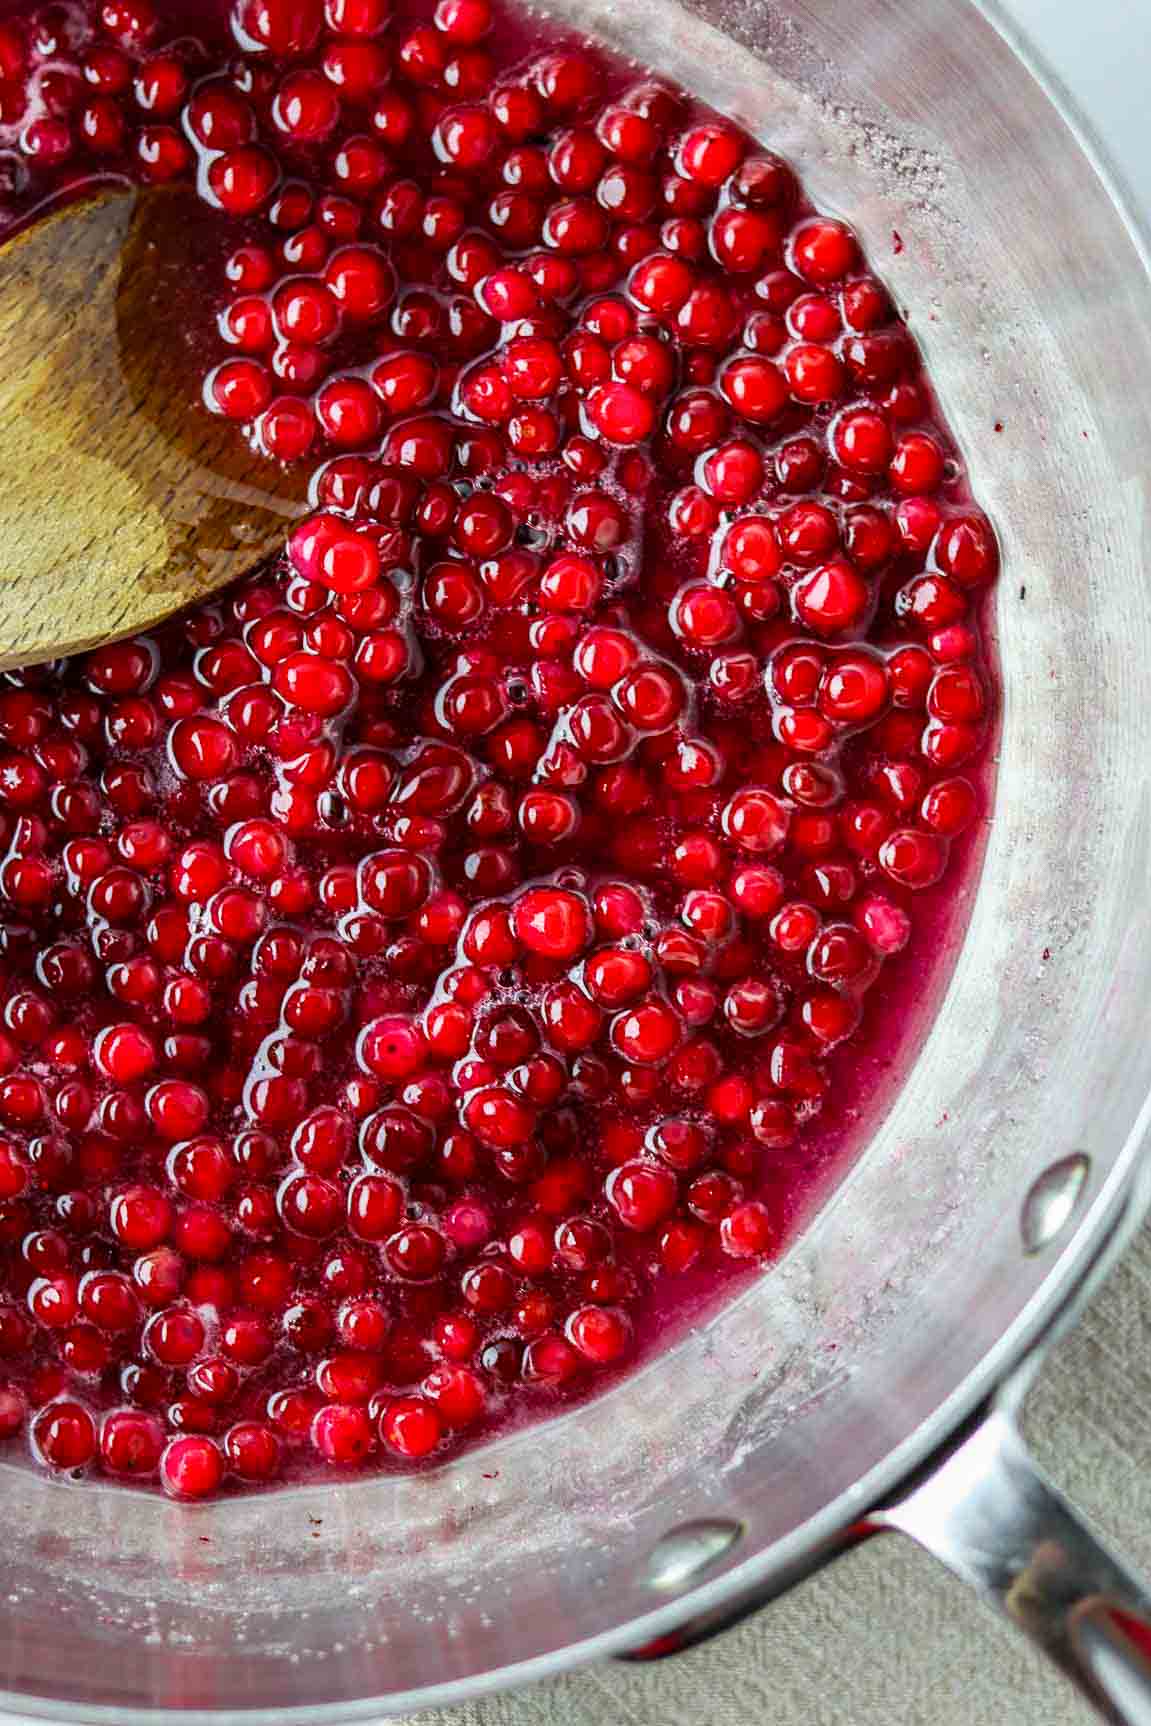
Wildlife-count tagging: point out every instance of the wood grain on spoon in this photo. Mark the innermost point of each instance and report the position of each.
(122, 498)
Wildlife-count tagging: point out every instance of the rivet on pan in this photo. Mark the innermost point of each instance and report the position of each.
(1051, 1201)
(686, 1552)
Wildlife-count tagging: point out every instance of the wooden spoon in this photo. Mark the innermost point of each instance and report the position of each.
(121, 497)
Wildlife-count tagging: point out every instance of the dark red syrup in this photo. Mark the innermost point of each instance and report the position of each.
(442, 963)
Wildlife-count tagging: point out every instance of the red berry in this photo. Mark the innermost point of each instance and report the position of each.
(831, 599)
(642, 1195)
(242, 179)
(348, 412)
(912, 858)
(823, 250)
(456, 1393)
(602, 1334)
(917, 464)
(552, 922)
(620, 413)
(709, 153)
(815, 375)
(238, 389)
(191, 1467)
(755, 820)
(411, 1427)
(343, 1435)
(862, 440)
(966, 550)
(278, 27)
(646, 1033)
(306, 107)
(131, 1441)
(124, 1052)
(733, 473)
(220, 118)
(253, 1451)
(64, 1434)
(361, 281)
(747, 1231)
(755, 388)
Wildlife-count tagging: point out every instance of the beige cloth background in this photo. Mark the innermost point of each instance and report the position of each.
(884, 1637)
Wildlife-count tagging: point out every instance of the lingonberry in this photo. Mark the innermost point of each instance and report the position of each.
(913, 858)
(242, 179)
(238, 389)
(343, 1434)
(709, 153)
(646, 1033)
(220, 118)
(861, 440)
(253, 1451)
(131, 1441)
(747, 1231)
(733, 473)
(389, 940)
(601, 1333)
(348, 411)
(822, 250)
(642, 1195)
(64, 1434)
(306, 107)
(361, 281)
(917, 464)
(411, 1426)
(191, 1467)
(416, 1252)
(755, 388)
(620, 413)
(832, 599)
(815, 375)
(966, 550)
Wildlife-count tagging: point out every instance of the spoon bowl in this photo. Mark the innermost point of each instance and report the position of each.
(124, 498)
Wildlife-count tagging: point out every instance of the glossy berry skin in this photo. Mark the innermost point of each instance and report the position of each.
(64, 1435)
(435, 957)
(191, 1468)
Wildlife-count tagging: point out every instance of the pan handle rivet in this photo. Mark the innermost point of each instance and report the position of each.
(686, 1552)
(1051, 1201)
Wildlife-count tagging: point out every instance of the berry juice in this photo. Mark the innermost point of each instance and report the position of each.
(439, 963)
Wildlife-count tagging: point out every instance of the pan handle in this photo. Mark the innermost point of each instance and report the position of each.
(991, 1516)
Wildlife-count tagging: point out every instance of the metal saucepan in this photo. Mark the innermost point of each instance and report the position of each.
(869, 1380)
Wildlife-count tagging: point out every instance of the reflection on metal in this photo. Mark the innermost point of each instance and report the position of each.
(1051, 1201)
(990, 1515)
(686, 1552)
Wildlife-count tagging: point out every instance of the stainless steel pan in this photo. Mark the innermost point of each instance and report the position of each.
(869, 1380)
